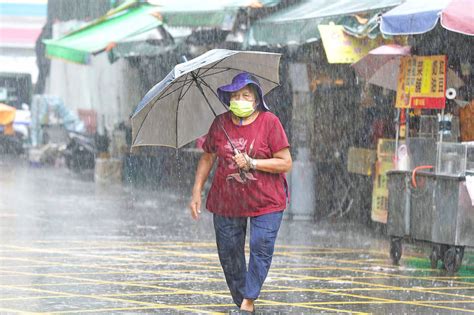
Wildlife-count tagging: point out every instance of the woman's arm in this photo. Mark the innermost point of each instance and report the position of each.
(280, 162)
(202, 173)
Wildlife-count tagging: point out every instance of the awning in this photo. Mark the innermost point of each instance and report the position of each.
(421, 16)
(210, 13)
(299, 23)
(103, 33)
(21, 22)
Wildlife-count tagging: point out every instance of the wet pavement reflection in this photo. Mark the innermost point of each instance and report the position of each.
(69, 245)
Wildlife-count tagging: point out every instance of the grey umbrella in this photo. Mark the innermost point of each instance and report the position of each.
(181, 107)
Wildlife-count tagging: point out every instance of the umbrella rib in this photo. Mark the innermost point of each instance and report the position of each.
(168, 88)
(231, 68)
(161, 97)
(200, 74)
(213, 66)
(182, 87)
(213, 73)
(183, 79)
(177, 108)
(171, 92)
(213, 92)
(185, 92)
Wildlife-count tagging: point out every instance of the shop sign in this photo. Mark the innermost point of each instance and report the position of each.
(343, 48)
(422, 82)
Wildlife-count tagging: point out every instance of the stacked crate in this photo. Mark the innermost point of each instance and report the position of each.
(383, 164)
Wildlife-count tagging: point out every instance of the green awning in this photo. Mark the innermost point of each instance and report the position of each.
(95, 37)
(299, 23)
(209, 13)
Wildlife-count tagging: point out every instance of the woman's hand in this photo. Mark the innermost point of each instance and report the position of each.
(204, 167)
(242, 160)
(195, 206)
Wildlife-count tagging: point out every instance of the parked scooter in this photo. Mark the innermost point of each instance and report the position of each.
(80, 152)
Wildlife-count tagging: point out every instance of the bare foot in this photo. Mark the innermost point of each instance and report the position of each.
(247, 305)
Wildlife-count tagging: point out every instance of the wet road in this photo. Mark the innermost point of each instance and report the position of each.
(69, 245)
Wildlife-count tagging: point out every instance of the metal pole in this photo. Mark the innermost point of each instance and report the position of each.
(407, 181)
(407, 126)
(440, 143)
(397, 134)
(442, 124)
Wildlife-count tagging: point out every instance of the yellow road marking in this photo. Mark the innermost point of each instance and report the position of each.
(416, 303)
(305, 277)
(176, 249)
(3, 309)
(104, 298)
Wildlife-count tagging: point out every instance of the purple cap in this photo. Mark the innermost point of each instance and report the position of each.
(238, 82)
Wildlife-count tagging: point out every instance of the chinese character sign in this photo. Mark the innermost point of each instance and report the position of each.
(422, 82)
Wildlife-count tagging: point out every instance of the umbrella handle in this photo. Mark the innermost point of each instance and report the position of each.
(241, 171)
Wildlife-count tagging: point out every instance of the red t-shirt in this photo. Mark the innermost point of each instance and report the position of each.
(261, 192)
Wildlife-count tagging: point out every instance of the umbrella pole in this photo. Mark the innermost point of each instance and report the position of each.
(198, 84)
(236, 151)
(397, 135)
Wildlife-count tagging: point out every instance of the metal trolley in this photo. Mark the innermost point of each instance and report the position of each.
(430, 207)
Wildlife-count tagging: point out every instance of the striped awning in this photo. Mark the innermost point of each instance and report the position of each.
(21, 22)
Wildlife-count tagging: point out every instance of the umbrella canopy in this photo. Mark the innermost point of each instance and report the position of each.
(382, 66)
(458, 16)
(181, 107)
(421, 16)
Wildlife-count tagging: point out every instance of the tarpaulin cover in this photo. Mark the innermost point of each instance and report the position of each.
(299, 23)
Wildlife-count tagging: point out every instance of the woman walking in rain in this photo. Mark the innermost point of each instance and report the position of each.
(249, 185)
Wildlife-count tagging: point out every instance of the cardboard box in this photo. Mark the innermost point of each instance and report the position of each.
(360, 161)
(385, 148)
(466, 122)
(380, 191)
(108, 170)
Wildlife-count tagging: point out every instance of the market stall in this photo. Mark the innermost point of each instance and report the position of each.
(430, 195)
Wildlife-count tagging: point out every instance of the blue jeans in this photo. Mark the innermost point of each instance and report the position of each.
(230, 238)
